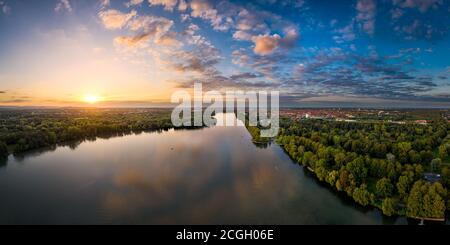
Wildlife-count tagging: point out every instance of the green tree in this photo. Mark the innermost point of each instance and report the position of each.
(388, 206)
(403, 186)
(426, 157)
(362, 196)
(332, 177)
(357, 169)
(414, 157)
(339, 159)
(426, 200)
(443, 151)
(384, 188)
(403, 149)
(436, 165)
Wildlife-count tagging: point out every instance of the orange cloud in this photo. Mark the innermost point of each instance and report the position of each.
(266, 44)
(114, 19)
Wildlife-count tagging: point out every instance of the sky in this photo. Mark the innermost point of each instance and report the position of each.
(138, 52)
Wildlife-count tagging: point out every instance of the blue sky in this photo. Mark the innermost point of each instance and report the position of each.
(362, 52)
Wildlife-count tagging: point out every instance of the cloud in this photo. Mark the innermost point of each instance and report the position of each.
(337, 73)
(244, 76)
(422, 5)
(148, 27)
(5, 7)
(201, 60)
(346, 34)
(262, 55)
(239, 57)
(366, 15)
(204, 9)
(265, 44)
(242, 36)
(221, 82)
(104, 3)
(396, 13)
(252, 20)
(150, 24)
(14, 101)
(63, 5)
(114, 19)
(168, 39)
(133, 41)
(182, 6)
(132, 3)
(168, 4)
(418, 29)
(290, 38)
(285, 3)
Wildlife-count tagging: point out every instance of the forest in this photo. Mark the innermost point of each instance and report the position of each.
(377, 164)
(22, 130)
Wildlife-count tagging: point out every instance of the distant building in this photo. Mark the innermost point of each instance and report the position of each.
(422, 122)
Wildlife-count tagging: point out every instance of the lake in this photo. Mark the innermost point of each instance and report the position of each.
(207, 176)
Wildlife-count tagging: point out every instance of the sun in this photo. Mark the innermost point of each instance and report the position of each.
(91, 99)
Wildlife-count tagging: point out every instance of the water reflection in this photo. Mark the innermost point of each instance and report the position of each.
(208, 176)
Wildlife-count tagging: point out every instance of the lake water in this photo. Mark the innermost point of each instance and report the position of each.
(208, 176)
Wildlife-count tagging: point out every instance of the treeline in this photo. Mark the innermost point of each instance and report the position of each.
(24, 130)
(376, 164)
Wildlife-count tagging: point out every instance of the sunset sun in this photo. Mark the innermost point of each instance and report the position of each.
(91, 99)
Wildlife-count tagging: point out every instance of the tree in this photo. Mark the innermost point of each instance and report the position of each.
(332, 177)
(308, 159)
(443, 151)
(426, 200)
(403, 186)
(357, 169)
(403, 149)
(344, 180)
(384, 188)
(436, 165)
(388, 206)
(362, 196)
(426, 157)
(414, 157)
(339, 159)
(3, 150)
(320, 169)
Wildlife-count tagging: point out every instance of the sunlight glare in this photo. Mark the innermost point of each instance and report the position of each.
(91, 99)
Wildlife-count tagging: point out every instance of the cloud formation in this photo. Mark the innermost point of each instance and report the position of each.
(366, 15)
(168, 4)
(382, 50)
(114, 19)
(5, 8)
(132, 3)
(422, 5)
(63, 5)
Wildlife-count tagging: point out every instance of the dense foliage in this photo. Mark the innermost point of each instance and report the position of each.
(23, 130)
(376, 163)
